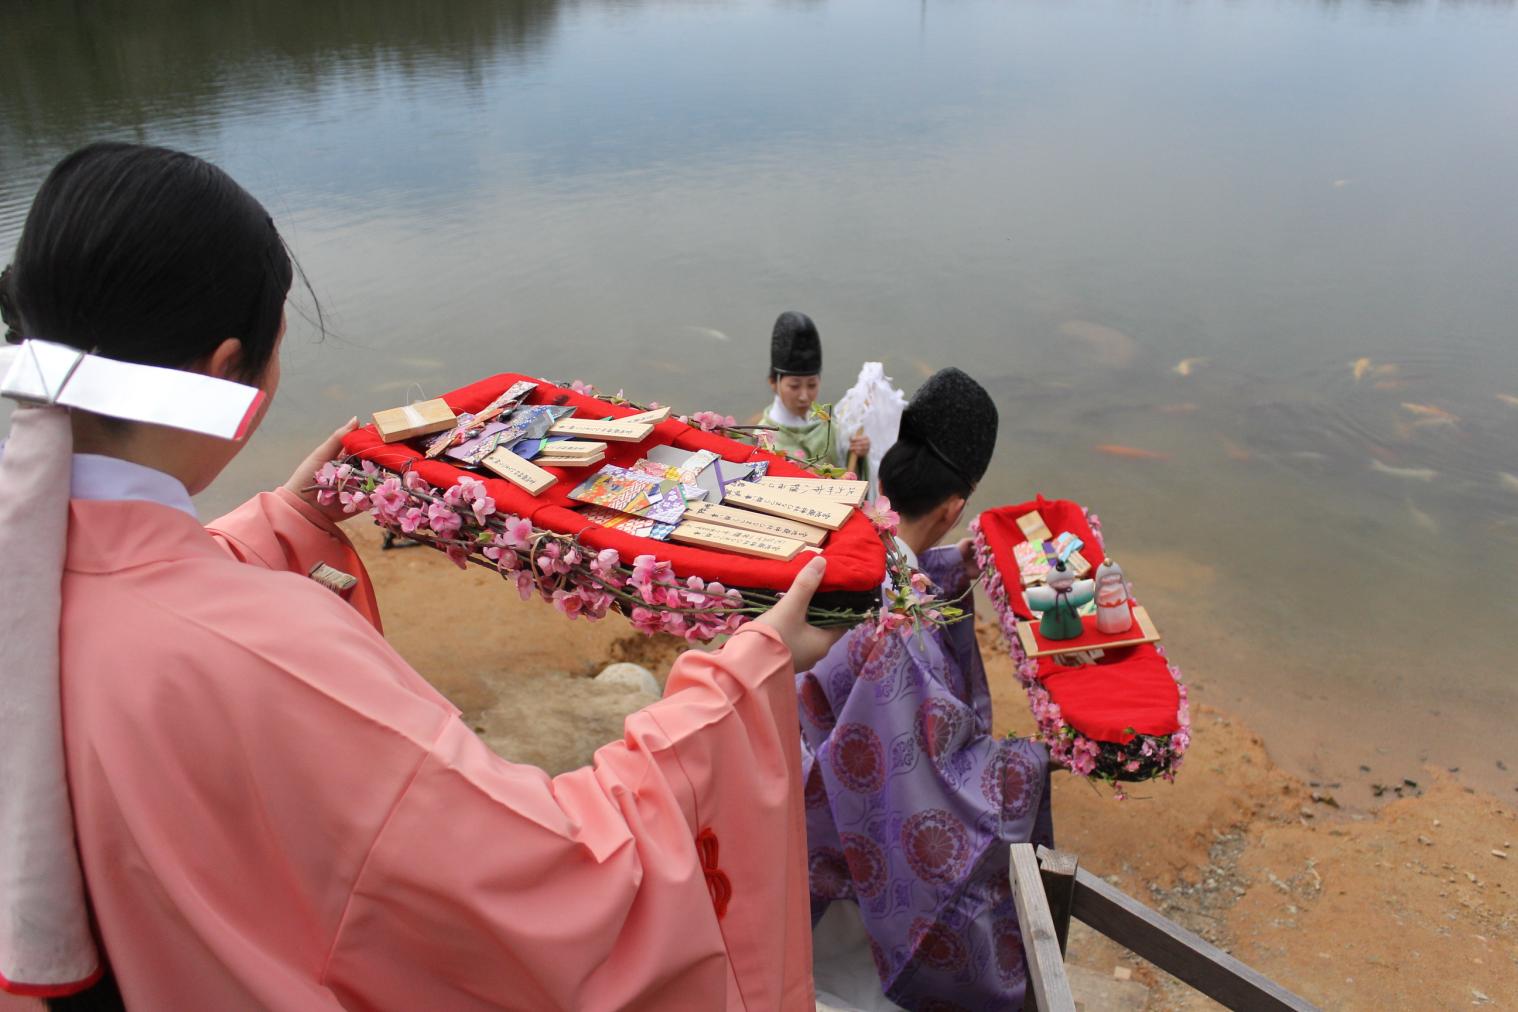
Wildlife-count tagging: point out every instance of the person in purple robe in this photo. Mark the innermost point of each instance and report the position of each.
(911, 801)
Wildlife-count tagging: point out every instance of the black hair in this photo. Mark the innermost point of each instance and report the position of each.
(916, 481)
(148, 255)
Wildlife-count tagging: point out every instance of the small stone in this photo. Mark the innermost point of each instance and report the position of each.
(1425, 841)
(1500, 853)
(1307, 813)
(633, 676)
(1501, 765)
(1409, 782)
(1364, 768)
(1121, 973)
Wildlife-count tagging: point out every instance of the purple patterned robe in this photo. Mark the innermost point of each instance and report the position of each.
(911, 803)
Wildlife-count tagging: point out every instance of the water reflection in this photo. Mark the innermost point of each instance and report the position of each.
(67, 69)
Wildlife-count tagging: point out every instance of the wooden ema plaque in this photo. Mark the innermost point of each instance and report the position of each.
(850, 493)
(807, 509)
(522, 473)
(748, 520)
(619, 431)
(731, 539)
(653, 417)
(1142, 631)
(420, 419)
(571, 461)
(572, 448)
(1033, 527)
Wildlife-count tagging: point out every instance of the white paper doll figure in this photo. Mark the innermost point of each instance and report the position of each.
(1113, 615)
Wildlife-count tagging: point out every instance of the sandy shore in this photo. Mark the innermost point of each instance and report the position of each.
(1404, 904)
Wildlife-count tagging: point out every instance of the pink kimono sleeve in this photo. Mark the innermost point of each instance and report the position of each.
(281, 531)
(492, 885)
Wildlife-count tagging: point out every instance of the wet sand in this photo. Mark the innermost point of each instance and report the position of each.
(1396, 902)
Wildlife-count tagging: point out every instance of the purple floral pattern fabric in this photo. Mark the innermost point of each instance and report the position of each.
(911, 804)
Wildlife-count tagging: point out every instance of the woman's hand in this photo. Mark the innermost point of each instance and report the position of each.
(967, 555)
(301, 481)
(807, 643)
(860, 445)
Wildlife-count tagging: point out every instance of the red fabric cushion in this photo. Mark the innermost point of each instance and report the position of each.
(1130, 686)
(856, 557)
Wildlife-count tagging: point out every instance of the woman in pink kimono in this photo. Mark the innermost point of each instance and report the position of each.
(247, 799)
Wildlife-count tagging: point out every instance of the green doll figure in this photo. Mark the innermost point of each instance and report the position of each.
(1058, 599)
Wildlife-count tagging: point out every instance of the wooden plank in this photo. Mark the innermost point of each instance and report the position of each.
(1033, 527)
(1026, 638)
(748, 520)
(571, 461)
(731, 539)
(850, 493)
(613, 431)
(1177, 951)
(422, 418)
(1048, 984)
(1057, 869)
(815, 512)
(573, 448)
(522, 473)
(652, 417)
(1146, 633)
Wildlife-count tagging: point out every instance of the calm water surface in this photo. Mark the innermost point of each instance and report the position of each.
(1067, 199)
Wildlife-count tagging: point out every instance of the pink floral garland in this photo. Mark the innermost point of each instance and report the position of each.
(463, 523)
(1143, 758)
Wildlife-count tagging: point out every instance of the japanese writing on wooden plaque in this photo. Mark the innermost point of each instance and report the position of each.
(850, 493)
(809, 510)
(748, 520)
(618, 431)
(765, 546)
(652, 417)
(520, 472)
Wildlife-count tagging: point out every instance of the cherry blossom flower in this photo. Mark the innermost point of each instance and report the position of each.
(710, 421)
(354, 500)
(412, 519)
(879, 513)
(444, 522)
(568, 603)
(388, 500)
(605, 563)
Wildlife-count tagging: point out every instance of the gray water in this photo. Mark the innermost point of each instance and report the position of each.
(1067, 199)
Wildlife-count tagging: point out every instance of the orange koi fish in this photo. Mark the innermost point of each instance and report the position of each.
(1430, 412)
(1130, 452)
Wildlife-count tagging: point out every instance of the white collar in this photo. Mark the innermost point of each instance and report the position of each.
(781, 416)
(99, 477)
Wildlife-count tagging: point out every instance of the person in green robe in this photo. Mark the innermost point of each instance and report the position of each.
(804, 428)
